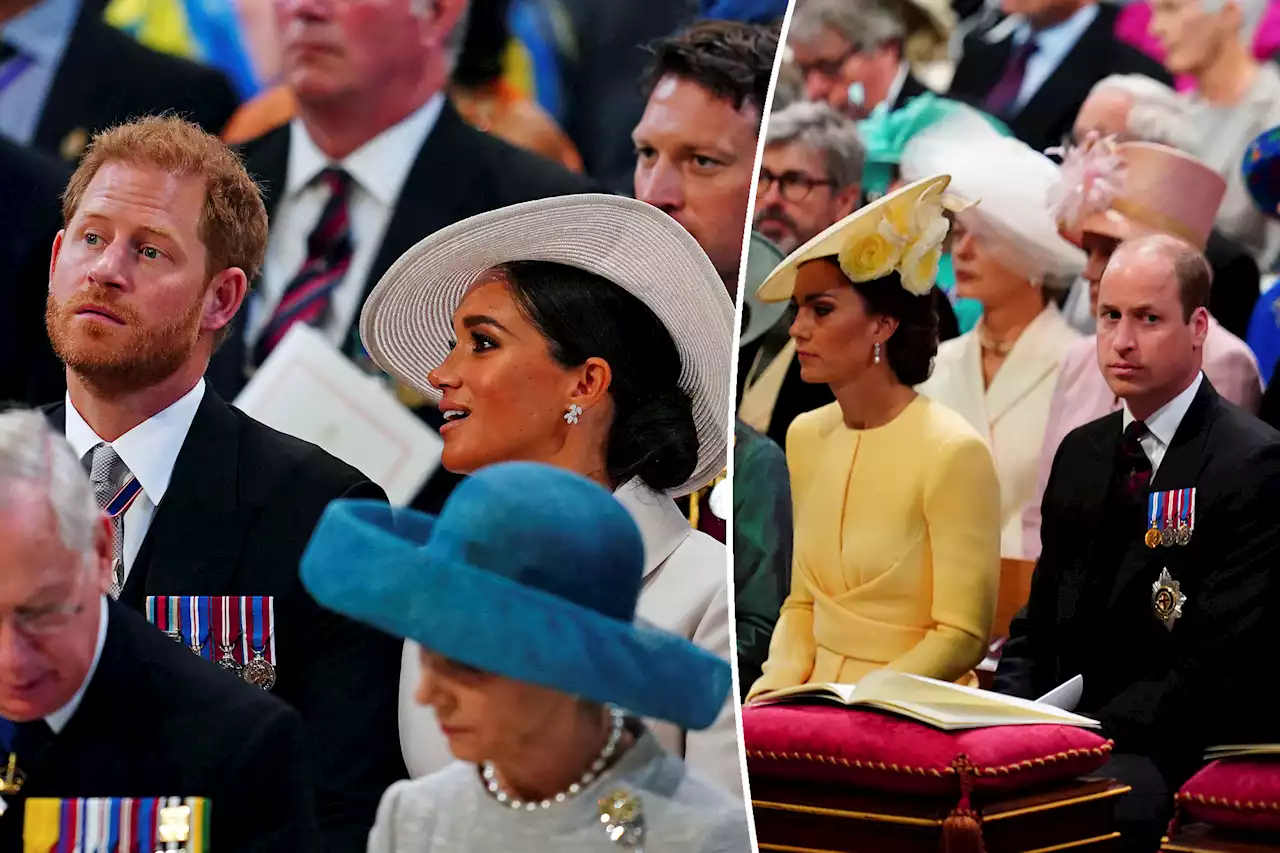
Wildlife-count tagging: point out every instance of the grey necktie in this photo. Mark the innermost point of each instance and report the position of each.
(108, 474)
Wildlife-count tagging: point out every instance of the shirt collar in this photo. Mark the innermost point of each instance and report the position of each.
(895, 88)
(1165, 422)
(58, 719)
(151, 448)
(379, 167)
(1060, 38)
(42, 32)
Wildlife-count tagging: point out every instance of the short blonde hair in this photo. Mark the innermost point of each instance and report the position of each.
(233, 223)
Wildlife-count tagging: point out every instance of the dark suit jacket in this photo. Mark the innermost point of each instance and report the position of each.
(911, 87)
(240, 508)
(1235, 283)
(1047, 118)
(30, 216)
(1198, 684)
(106, 77)
(460, 172)
(155, 721)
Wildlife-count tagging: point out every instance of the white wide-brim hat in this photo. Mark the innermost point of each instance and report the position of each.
(406, 324)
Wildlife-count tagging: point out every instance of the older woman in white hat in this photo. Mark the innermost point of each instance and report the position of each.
(592, 333)
(1008, 255)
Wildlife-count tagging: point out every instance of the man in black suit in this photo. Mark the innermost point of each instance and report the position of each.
(1035, 68)
(850, 53)
(377, 145)
(94, 702)
(71, 74)
(166, 230)
(30, 216)
(1171, 633)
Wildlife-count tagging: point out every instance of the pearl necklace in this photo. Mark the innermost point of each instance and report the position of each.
(997, 347)
(610, 747)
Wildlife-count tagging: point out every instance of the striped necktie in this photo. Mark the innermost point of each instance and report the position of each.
(308, 296)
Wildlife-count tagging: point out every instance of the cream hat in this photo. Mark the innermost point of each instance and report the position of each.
(902, 231)
(406, 324)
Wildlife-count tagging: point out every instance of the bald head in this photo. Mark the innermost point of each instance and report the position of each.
(1187, 265)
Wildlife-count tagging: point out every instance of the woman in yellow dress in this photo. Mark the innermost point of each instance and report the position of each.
(897, 505)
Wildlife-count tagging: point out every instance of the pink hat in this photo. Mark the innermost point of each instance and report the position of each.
(1135, 189)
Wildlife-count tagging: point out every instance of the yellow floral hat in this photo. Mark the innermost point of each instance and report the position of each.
(901, 231)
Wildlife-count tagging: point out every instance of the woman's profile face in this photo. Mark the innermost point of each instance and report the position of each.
(487, 717)
(505, 397)
(833, 331)
(979, 273)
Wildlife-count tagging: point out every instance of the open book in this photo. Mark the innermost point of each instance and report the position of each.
(1244, 750)
(941, 704)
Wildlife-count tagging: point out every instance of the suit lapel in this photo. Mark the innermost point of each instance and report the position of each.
(196, 536)
(1180, 468)
(989, 61)
(1095, 474)
(1036, 354)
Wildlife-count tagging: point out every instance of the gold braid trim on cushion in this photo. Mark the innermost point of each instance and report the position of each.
(1003, 770)
(1239, 805)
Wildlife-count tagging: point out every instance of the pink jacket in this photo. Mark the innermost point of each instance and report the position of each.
(1082, 395)
(1135, 18)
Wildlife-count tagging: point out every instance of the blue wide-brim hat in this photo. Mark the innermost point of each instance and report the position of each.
(1261, 168)
(530, 572)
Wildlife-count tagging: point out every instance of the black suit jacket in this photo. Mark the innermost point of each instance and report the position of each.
(1047, 118)
(1195, 685)
(1235, 283)
(107, 77)
(459, 172)
(30, 216)
(241, 505)
(156, 720)
(911, 87)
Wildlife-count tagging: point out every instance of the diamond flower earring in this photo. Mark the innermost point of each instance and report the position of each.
(572, 415)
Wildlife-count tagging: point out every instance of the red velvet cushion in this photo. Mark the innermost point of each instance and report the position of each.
(1235, 793)
(880, 752)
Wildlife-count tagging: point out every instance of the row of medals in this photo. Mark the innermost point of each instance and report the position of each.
(259, 672)
(1168, 537)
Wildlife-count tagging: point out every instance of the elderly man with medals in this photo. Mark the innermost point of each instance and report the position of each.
(1155, 581)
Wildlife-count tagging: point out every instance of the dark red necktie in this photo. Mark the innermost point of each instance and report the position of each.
(1004, 94)
(1133, 465)
(329, 250)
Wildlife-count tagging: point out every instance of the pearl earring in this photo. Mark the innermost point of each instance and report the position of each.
(572, 415)
(876, 351)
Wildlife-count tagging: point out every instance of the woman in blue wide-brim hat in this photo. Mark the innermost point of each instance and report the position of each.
(522, 595)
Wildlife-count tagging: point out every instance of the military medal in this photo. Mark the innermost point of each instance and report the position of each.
(174, 827)
(1186, 515)
(174, 624)
(1169, 533)
(1152, 539)
(622, 815)
(1167, 599)
(227, 638)
(13, 777)
(258, 613)
(196, 636)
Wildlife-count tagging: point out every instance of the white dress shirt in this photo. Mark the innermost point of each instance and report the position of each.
(378, 170)
(1052, 46)
(1164, 423)
(58, 719)
(149, 450)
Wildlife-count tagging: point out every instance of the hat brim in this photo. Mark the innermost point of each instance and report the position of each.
(1113, 224)
(406, 324)
(781, 284)
(494, 624)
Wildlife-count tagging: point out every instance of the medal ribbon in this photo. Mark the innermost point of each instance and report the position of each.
(1153, 511)
(206, 631)
(187, 613)
(259, 627)
(114, 806)
(271, 630)
(1167, 497)
(199, 825)
(246, 654)
(42, 825)
(145, 837)
(93, 826)
(126, 826)
(69, 828)
(1191, 508)
(174, 603)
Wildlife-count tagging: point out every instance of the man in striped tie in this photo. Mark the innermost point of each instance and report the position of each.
(164, 231)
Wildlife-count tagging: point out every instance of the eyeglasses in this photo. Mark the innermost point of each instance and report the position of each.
(829, 68)
(51, 619)
(793, 186)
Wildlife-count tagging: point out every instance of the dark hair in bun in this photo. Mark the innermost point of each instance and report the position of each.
(912, 346)
(583, 315)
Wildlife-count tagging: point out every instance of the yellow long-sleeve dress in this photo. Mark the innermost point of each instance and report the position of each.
(897, 549)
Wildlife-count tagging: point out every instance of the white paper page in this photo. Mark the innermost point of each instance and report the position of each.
(1066, 695)
(310, 390)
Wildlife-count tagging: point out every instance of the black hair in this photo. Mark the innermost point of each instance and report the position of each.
(583, 315)
(913, 345)
(732, 60)
(484, 44)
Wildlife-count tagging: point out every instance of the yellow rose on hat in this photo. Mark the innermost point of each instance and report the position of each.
(919, 265)
(873, 252)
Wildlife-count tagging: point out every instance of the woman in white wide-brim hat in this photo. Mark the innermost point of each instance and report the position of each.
(1007, 255)
(589, 332)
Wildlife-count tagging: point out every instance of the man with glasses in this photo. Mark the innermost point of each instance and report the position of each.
(810, 174)
(850, 55)
(95, 702)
